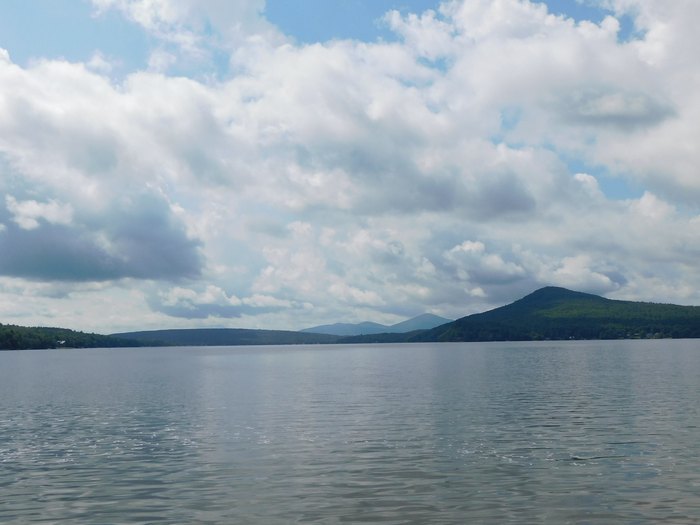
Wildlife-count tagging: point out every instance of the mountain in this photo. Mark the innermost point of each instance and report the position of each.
(345, 329)
(421, 322)
(548, 313)
(224, 337)
(558, 313)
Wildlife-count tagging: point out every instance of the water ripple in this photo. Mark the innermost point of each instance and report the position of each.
(522, 433)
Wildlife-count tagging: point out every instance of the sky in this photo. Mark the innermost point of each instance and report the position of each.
(289, 163)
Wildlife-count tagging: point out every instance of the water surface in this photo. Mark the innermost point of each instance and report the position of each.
(573, 432)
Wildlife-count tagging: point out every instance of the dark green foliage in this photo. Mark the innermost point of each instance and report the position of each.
(557, 313)
(226, 337)
(26, 338)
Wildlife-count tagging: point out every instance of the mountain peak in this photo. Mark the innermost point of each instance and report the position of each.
(420, 322)
(557, 313)
(556, 293)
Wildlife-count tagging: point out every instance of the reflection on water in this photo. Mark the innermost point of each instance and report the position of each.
(577, 432)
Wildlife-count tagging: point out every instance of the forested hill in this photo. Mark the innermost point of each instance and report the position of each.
(24, 338)
(558, 313)
(225, 337)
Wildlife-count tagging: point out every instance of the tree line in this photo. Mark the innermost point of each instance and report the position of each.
(14, 337)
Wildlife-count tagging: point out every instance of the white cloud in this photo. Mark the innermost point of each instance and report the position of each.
(576, 273)
(590, 185)
(426, 34)
(160, 61)
(192, 31)
(352, 180)
(28, 214)
(212, 302)
(100, 64)
(474, 264)
(651, 207)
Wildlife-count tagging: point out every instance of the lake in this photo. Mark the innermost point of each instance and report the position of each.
(553, 432)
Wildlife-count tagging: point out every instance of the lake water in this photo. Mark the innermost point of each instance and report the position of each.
(572, 432)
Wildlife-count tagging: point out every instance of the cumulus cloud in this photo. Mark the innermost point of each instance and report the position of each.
(358, 180)
(213, 301)
(192, 32)
(622, 110)
(473, 263)
(28, 213)
(142, 240)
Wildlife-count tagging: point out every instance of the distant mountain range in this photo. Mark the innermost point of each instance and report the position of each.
(240, 336)
(421, 322)
(549, 313)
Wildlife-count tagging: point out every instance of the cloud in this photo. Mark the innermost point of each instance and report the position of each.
(626, 111)
(427, 35)
(28, 213)
(213, 302)
(472, 263)
(579, 273)
(192, 32)
(454, 169)
(142, 240)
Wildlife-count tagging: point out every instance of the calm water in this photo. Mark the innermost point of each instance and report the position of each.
(579, 432)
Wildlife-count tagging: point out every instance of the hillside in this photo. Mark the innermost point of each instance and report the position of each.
(346, 329)
(420, 322)
(14, 337)
(225, 337)
(558, 313)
